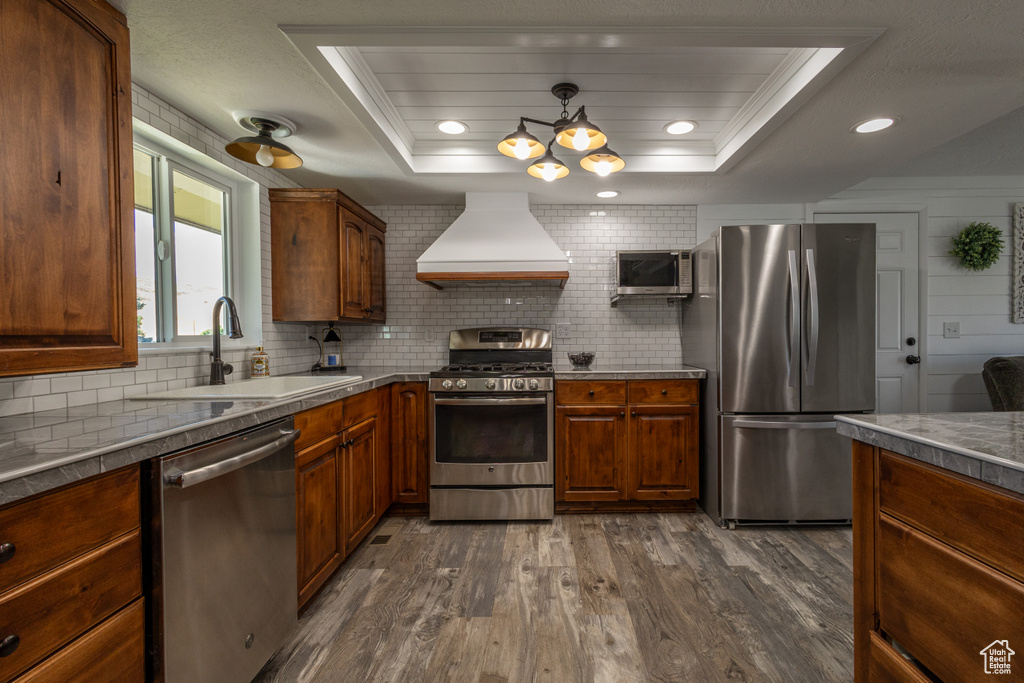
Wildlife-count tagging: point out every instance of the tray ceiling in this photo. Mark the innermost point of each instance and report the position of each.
(738, 85)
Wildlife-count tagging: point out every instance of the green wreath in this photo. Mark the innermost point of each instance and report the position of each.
(978, 246)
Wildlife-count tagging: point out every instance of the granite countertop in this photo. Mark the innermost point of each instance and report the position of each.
(44, 450)
(984, 446)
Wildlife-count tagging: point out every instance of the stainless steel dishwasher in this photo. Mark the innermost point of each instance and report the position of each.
(222, 588)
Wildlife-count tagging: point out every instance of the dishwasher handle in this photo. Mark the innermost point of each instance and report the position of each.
(199, 475)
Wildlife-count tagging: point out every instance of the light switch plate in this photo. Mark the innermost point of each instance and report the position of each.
(951, 330)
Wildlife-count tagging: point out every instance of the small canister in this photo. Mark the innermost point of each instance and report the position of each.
(259, 364)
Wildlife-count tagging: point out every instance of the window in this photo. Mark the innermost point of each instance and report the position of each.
(182, 247)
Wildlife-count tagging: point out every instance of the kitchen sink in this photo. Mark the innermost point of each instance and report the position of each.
(253, 389)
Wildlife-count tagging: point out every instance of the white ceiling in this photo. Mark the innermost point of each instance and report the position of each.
(772, 128)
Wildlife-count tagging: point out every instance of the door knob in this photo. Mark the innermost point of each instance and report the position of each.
(913, 360)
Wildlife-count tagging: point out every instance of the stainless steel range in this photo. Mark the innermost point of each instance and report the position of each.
(492, 426)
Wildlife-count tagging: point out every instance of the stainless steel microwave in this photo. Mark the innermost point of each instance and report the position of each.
(653, 272)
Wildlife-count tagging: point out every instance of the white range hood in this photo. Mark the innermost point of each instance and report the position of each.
(495, 240)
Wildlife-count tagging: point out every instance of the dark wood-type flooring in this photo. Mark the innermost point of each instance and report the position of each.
(604, 597)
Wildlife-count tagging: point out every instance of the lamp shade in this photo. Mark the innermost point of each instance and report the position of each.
(581, 135)
(521, 144)
(247, 148)
(602, 161)
(548, 168)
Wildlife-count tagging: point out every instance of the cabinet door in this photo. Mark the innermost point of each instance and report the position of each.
(590, 453)
(353, 242)
(663, 455)
(67, 255)
(375, 275)
(319, 513)
(358, 481)
(305, 255)
(410, 468)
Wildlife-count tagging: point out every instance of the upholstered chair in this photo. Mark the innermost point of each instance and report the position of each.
(1004, 379)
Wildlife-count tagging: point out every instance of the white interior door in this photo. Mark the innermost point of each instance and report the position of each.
(897, 325)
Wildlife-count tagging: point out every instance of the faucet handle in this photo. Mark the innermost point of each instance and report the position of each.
(228, 369)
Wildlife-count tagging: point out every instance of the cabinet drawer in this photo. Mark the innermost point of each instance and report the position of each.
(57, 527)
(360, 407)
(888, 666)
(585, 393)
(971, 517)
(318, 423)
(113, 652)
(55, 608)
(922, 602)
(663, 391)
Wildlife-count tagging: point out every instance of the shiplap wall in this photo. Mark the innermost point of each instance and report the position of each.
(980, 302)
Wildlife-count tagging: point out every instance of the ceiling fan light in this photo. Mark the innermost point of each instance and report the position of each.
(602, 161)
(521, 142)
(680, 127)
(548, 168)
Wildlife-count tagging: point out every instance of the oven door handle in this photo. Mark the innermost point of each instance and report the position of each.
(540, 401)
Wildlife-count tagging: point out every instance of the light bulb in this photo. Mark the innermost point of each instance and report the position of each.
(548, 172)
(581, 140)
(522, 149)
(603, 167)
(264, 157)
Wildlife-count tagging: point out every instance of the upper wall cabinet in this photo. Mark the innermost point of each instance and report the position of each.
(67, 242)
(327, 255)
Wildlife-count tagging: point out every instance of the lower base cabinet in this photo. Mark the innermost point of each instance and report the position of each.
(341, 461)
(631, 440)
(71, 606)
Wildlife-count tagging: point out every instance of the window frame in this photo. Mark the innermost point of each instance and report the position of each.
(165, 161)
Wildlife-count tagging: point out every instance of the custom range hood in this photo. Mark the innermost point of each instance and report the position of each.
(495, 240)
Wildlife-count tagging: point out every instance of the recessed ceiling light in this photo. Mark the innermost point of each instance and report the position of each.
(452, 127)
(608, 194)
(680, 127)
(874, 125)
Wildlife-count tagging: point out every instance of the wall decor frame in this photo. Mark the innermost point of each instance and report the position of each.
(1017, 290)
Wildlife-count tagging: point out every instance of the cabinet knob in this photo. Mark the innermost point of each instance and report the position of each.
(6, 552)
(664, 392)
(8, 645)
(591, 392)
(622, 415)
(633, 414)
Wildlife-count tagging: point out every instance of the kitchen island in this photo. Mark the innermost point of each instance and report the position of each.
(938, 503)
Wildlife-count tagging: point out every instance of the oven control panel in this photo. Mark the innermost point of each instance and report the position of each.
(491, 384)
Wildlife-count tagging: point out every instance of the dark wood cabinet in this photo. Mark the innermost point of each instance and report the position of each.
(342, 483)
(359, 481)
(67, 230)
(327, 258)
(410, 466)
(64, 595)
(619, 440)
(591, 453)
(319, 537)
(922, 536)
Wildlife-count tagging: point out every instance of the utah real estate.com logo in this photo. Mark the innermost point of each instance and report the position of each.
(997, 657)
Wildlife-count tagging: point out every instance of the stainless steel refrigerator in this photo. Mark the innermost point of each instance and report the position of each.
(783, 320)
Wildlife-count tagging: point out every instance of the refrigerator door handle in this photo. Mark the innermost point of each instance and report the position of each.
(794, 319)
(812, 323)
(761, 424)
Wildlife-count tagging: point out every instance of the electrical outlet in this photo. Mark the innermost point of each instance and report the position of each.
(429, 335)
(951, 330)
(562, 330)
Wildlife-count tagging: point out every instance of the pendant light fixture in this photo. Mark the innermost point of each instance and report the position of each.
(574, 132)
(263, 149)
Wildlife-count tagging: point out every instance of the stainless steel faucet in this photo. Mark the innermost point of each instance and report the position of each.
(219, 368)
